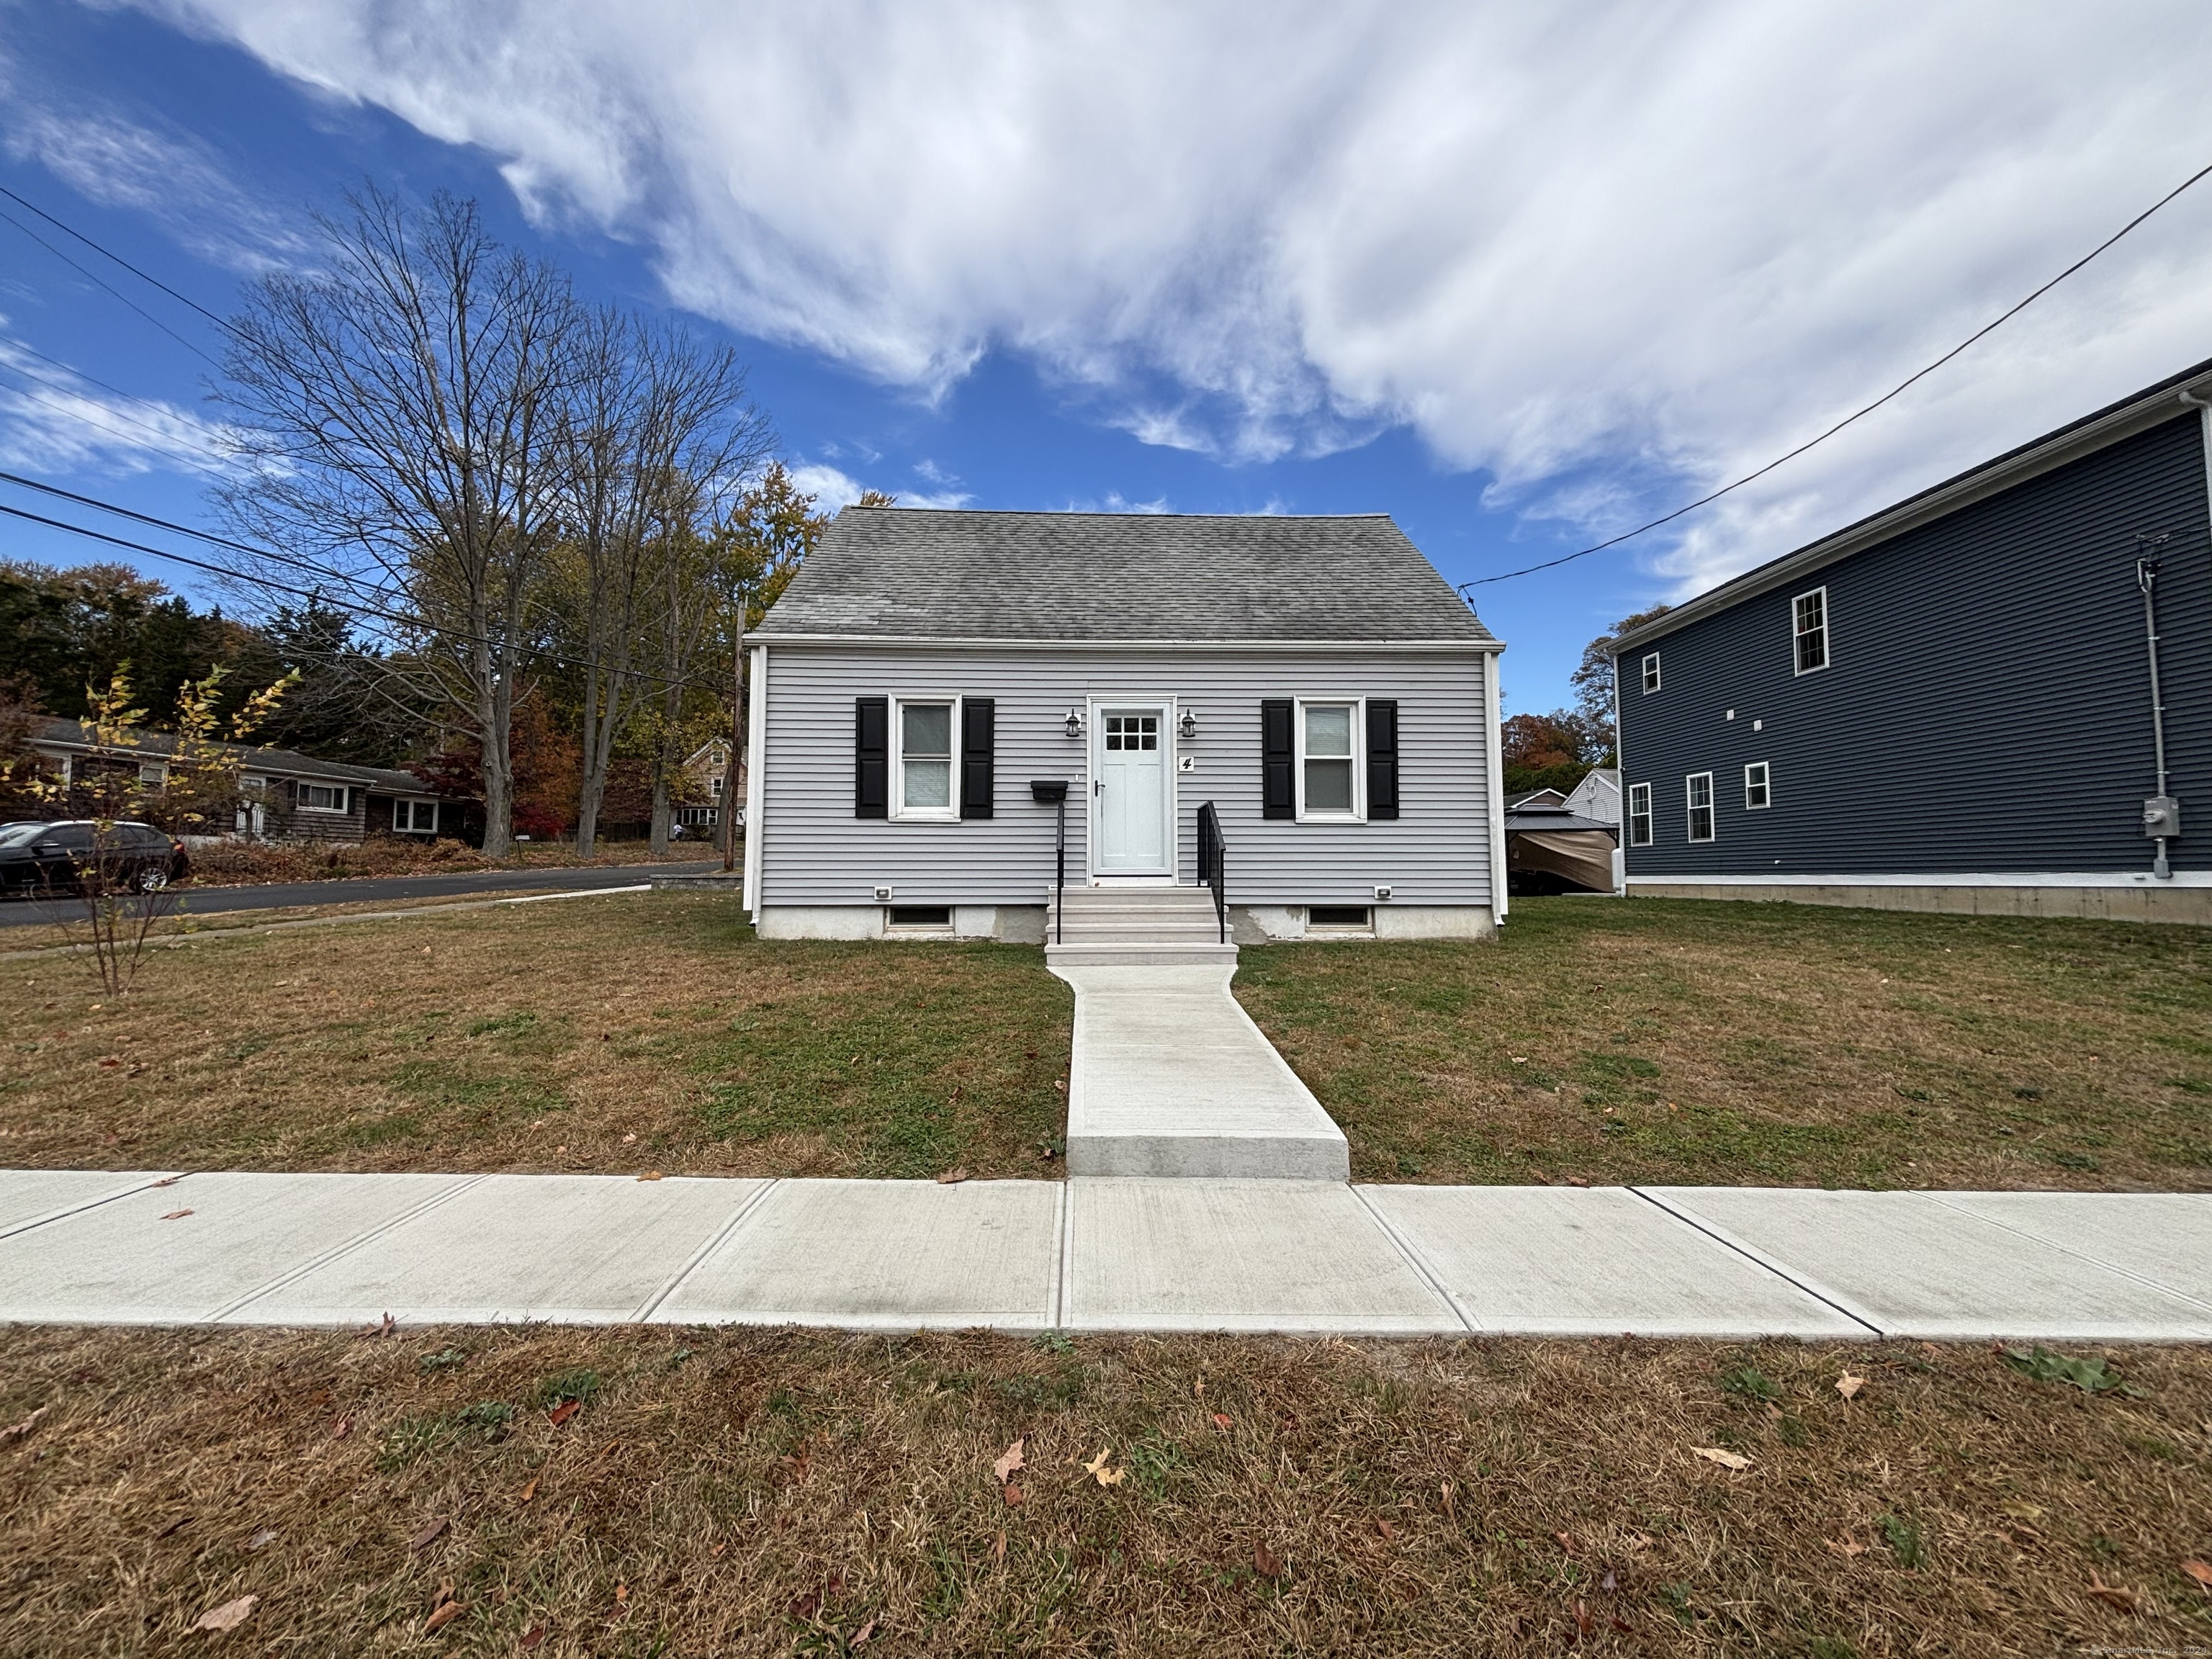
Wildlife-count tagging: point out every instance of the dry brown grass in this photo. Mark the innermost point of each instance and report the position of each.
(235, 863)
(618, 1033)
(1670, 1040)
(753, 1493)
(183, 923)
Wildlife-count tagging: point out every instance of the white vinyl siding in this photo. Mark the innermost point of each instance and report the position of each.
(813, 851)
(1639, 815)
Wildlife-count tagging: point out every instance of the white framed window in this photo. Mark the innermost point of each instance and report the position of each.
(415, 817)
(1809, 628)
(1651, 673)
(925, 783)
(1330, 781)
(1698, 795)
(1757, 796)
(1639, 815)
(321, 797)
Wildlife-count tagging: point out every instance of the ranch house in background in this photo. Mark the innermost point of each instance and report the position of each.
(937, 692)
(1995, 696)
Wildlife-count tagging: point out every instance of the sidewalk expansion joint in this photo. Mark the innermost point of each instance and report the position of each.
(344, 1248)
(2164, 1289)
(154, 1178)
(1417, 1261)
(1780, 1269)
(699, 1257)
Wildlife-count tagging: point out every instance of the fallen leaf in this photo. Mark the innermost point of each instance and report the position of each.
(530, 1491)
(229, 1616)
(1565, 1542)
(2200, 1570)
(176, 1215)
(1222, 1421)
(532, 1636)
(2113, 1595)
(262, 1540)
(562, 1413)
(168, 1180)
(1584, 1622)
(1639, 1540)
(651, 1175)
(716, 1552)
(342, 1428)
(866, 1630)
(952, 1177)
(622, 1592)
(1009, 1461)
(1264, 1561)
(630, 1140)
(111, 1061)
(444, 1616)
(1389, 1533)
(1444, 1490)
(181, 1521)
(387, 1327)
(1623, 1626)
(1100, 1473)
(1577, 1180)
(1846, 1545)
(429, 1535)
(17, 1431)
(1727, 1460)
(1847, 1385)
(1013, 1495)
(999, 1549)
(1611, 1583)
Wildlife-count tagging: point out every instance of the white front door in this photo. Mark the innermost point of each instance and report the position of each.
(1130, 792)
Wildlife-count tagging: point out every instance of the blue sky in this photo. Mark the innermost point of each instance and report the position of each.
(1518, 277)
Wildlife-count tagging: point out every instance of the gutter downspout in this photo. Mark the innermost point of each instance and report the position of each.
(1495, 769)
(2158, 811)
(755, 783)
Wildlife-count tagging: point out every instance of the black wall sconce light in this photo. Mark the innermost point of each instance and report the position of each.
(1188, 724)
(1074, 724)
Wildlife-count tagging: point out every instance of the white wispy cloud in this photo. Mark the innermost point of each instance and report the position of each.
(1610, 254)
(833, 487)
(54, 421)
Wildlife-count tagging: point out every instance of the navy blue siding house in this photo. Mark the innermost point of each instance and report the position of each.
(1948, 705)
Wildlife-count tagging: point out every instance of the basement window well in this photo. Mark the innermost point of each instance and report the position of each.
(1339, 918)
(933, 918)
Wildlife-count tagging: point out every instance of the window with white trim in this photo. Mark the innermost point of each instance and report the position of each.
(1698, 796)
(1639, 815)
(1652, 673)
(1808, 626)
(415, 817)
(321, 797)
(1329, 781)
(923, 784)
(1757, 796)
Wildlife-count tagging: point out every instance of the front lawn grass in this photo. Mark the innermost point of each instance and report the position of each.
(618, 1034)
(1672, 1040)
(736, 1491)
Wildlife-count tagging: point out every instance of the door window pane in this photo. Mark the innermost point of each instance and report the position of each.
(1133, 731)
(926, 754)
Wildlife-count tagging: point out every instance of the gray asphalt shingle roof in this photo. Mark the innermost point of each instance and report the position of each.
(913, 572)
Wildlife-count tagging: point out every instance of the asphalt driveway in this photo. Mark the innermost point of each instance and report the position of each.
(211, 901)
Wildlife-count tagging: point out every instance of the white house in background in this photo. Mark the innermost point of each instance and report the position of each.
(931, 680)
(709, 764)
(1597, 796)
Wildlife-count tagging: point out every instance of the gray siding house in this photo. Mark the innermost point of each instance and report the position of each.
(1951, 705)
(1313, 678)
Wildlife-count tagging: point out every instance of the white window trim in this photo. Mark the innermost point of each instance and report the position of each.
(1766, 785)
(301, 804)
(900, 811)
(412, 808)
(1645, 791)
(1828, 645)
(1358, 758)
(1651, 676)
(1690, 810)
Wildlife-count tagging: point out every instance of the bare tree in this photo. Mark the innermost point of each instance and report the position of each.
(658, 426)
(402, 410)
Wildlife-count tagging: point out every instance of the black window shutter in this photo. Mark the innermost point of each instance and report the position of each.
(976, 758)
(1279, 751)
(871, 758)
(1381, 757)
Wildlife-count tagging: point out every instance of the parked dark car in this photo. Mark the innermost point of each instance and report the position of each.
(49, 857)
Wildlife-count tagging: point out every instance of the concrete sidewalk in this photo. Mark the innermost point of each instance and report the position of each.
(1183, 1254)
(1169, 1076)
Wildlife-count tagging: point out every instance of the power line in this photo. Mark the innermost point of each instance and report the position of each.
(2006, 317)
(414, 623)
(143, 276)
(173, 440)
(90, 277)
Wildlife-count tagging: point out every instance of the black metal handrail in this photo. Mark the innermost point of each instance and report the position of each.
(1213, 859)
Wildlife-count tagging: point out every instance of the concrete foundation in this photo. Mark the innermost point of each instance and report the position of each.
(2148, 901)
(1268, 924)
(1007, 924)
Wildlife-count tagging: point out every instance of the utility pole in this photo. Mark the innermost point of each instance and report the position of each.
(736, 732)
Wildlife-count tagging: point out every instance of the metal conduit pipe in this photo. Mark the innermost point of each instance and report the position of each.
(2161, 813)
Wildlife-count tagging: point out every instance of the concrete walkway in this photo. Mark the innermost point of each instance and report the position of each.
(1169, 1076)
(1092, 1255)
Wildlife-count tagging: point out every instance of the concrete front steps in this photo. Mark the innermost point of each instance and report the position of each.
(1136, 927)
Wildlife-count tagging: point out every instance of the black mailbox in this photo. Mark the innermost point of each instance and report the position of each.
(1047, 790)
